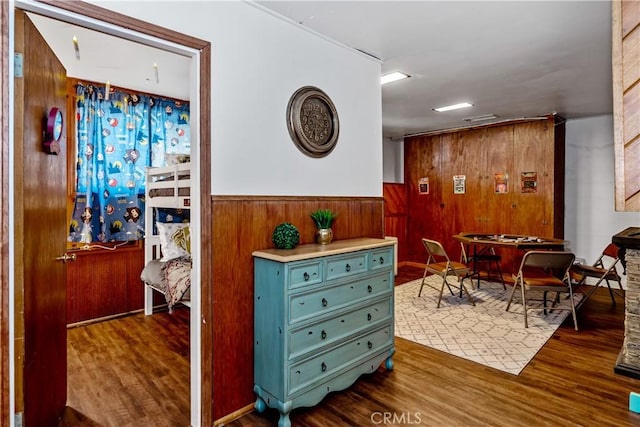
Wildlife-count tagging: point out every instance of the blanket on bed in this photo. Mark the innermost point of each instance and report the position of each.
(177, 273)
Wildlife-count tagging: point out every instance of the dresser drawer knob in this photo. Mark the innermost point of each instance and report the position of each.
(324, 302)
(369, 288)
(323, 334)
(381, 260)
(323, 367)
(348, 268)
(306, 276)
(370, 345)
(369, 316)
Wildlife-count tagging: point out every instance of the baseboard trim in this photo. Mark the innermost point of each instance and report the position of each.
(102, 319)
(411, 264)
(233, 416)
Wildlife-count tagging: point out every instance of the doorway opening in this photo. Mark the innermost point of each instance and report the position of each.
(104, 21)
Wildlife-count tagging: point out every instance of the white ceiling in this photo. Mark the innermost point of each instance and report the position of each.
(513, 59)
(121, 62)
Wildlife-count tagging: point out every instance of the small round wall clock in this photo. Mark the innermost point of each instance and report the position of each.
(312, 121)
(51, 143)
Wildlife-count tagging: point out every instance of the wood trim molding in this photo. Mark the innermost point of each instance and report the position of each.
(267, 198)
(618, 129)
(480, 126)
(234, 416)
(4, 221)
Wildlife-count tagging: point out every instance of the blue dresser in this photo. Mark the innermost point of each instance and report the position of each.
(323, 316)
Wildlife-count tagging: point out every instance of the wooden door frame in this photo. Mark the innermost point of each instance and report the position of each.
(5, 125)
(90, 12)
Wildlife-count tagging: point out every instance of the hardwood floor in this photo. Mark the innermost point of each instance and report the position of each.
(131, 371)
(134, 371)
(570, 382)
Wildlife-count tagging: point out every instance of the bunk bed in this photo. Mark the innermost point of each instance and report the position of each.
(167, 244)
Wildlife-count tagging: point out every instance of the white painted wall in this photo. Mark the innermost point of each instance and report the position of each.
(258, 61)
(393, 161)
(590, 216)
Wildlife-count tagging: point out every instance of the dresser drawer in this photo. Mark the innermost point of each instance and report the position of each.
(309, 338)
(313, 370)
(304, 273)
(381, 258)
(310, 304)
(346, 265)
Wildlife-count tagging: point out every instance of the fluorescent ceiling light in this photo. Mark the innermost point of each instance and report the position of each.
(481, 118)
(392, 77)
(453, 107)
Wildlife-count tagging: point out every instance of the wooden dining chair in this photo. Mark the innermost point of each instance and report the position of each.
(545, 271)
(438, 263)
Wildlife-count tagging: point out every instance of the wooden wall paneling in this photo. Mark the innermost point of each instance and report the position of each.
(395, 199)
(458, 159)
(626, 105)
(105, 283)
(422, 159)
(240, 226)
(497, 143)
(631, 102)
(134, 286)
(478, 154)
(465, 158)
(631, 59)
(395, 215)
(98, 294)
(534, 153)
(630, 15)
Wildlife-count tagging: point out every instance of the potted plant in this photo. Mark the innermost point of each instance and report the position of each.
(285, 236)
(323, 219)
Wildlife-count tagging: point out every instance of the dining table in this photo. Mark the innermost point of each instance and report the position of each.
(478, 244)
(510, 240)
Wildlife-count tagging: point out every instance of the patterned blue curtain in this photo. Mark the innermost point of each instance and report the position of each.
(117, 138)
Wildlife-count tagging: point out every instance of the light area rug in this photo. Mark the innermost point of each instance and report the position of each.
(485, 333)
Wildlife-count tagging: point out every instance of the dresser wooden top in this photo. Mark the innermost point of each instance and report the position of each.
(315, 250)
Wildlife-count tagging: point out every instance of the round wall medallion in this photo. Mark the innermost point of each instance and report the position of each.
(313, 121)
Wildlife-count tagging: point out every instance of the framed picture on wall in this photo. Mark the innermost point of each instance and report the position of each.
(529, 182)
(423, 185)
(501, 183)
(459, 184)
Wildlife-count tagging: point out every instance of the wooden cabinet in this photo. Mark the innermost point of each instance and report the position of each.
(533, 147)
(323, 316)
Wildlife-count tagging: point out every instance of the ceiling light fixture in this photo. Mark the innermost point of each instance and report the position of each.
(453, 107)
(481, 118)
(392, 77)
